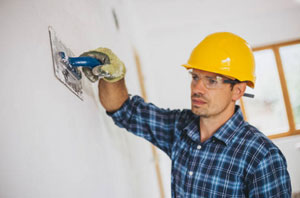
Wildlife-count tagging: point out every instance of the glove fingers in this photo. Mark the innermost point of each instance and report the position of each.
(99, 71)
(112, 68)
(102, 57)
(109, 73)
(89, 74)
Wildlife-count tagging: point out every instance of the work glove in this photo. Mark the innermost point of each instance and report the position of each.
(112, 70)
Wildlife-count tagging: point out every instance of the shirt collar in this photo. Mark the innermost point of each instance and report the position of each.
(229, 130)
(192, 129)
(225, 133)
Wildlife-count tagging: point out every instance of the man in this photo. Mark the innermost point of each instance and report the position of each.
(214, 152)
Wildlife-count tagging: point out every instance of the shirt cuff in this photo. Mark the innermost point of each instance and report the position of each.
(119, 114)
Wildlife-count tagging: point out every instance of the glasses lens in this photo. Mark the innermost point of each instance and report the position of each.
(210, 82)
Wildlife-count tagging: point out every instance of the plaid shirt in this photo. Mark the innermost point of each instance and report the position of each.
(237, 161)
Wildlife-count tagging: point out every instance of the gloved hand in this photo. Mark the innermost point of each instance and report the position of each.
(113, 69)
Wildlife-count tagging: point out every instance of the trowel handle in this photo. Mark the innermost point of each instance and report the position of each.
(84, 61)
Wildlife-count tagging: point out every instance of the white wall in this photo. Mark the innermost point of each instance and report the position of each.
(53, 145)
(169, 30)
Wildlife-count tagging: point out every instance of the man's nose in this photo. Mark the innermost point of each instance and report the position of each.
(199, 87)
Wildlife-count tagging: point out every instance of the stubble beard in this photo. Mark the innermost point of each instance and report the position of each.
(200, 110)
(203, 112)
(208, 109)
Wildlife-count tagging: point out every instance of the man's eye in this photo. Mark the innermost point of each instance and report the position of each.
(195, 78)
(212, 81)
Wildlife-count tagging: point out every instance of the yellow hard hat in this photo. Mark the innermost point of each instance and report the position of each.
(226, 54)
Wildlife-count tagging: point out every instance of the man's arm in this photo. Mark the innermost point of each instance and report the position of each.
(271, 178)
(112, 94)
(143, 119)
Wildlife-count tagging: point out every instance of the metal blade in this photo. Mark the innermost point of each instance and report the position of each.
(62, 70)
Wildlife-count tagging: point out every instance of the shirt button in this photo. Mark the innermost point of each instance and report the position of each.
(191, 173)
(199, 147)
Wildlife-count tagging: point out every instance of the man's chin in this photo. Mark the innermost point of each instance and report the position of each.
(199, 111)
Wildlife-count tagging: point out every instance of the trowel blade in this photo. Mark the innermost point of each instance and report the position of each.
(61, 71)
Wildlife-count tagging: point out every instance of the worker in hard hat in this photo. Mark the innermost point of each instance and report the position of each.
(214, 152)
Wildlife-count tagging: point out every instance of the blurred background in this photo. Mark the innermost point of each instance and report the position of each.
(53, 145)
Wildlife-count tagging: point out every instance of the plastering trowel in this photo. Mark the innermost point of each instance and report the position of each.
(66, 66)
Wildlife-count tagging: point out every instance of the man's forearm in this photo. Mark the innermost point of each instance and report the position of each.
(112, 95)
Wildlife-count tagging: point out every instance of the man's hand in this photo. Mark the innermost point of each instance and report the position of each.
(113, 69)
(112, 89)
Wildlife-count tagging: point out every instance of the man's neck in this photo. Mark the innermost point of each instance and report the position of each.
(209, 125)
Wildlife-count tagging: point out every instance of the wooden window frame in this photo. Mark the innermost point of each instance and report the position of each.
(289, 111)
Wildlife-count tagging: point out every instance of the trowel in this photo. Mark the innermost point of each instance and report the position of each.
(68, 68)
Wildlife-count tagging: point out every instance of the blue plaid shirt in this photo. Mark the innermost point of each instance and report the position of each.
(237, 161)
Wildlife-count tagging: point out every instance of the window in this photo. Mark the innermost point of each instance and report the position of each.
(290, 56)
(275, 110)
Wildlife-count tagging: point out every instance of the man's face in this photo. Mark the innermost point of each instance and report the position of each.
(209, 95)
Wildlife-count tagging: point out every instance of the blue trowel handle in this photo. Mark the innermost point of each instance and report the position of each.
(84, 61)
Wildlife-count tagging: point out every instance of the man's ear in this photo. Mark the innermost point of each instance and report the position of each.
(238, 91)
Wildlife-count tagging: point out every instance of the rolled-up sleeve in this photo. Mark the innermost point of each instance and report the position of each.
(148, 121)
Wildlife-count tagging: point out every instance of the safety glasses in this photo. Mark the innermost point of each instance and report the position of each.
(211, 82)
(214, 82)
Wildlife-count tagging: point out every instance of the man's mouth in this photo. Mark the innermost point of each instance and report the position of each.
(197, 101)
